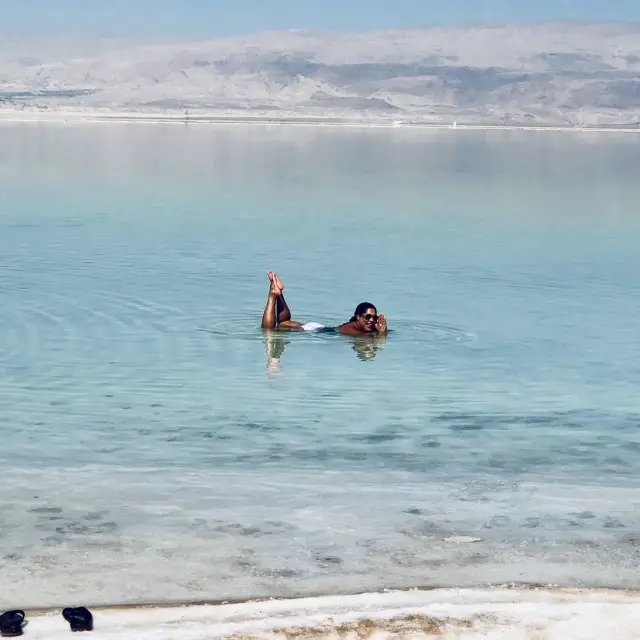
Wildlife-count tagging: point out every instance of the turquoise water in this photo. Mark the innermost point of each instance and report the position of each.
(157, 446)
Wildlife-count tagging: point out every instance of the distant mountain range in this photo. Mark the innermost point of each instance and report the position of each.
(547, 73)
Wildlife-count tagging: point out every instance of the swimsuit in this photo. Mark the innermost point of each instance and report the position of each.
(317, 327)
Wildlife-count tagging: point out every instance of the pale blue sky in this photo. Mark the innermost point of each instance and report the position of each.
(209, 18)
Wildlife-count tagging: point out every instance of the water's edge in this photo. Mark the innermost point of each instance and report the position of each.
(515, 588)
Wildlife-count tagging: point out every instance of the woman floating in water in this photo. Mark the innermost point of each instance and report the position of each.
(365, 320)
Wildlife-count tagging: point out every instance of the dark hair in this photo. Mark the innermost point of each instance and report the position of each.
(361, 308)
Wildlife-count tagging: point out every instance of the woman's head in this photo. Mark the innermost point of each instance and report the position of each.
(365, 316)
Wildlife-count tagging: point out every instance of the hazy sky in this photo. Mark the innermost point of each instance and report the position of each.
(209, 18)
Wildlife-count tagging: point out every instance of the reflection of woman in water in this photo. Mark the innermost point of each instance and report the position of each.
(274, 343)
(277, 315)
(365, 346)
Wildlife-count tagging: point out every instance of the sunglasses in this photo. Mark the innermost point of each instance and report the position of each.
(370, 316)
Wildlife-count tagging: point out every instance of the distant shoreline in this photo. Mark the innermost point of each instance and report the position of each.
(71, 117)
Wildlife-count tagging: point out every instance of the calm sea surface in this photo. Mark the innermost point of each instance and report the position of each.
(157, 446)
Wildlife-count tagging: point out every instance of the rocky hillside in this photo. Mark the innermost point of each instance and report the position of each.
(556, 73)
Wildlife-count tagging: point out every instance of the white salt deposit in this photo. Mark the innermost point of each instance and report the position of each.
(446, 613)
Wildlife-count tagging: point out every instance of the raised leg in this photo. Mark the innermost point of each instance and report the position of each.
(270, 313)
(282, 309)
(276, 312)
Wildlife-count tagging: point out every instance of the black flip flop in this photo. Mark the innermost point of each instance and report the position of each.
(11, 623)
(79, 618)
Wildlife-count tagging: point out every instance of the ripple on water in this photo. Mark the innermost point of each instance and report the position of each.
(440, 333)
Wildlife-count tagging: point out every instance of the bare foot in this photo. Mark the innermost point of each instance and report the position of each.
(276, 284)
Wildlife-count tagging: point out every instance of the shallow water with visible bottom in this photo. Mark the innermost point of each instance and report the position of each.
(157, 446)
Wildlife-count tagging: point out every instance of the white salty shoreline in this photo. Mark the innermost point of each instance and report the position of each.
(519, 614)
(96, 116)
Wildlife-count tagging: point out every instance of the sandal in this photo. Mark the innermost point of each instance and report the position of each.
(79, 618)
(11, 623)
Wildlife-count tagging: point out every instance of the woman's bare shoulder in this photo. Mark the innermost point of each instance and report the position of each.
(348, 328)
